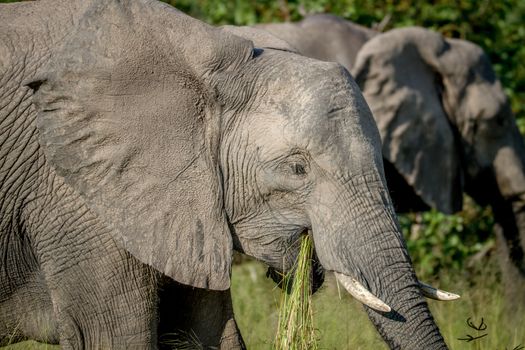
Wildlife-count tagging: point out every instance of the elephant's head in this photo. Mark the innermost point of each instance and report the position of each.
(439, 99)
(187, 141)
(447, 125)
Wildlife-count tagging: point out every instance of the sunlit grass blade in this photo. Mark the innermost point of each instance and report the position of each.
(295, 330)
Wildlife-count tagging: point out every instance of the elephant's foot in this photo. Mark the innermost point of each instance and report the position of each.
(28, 313)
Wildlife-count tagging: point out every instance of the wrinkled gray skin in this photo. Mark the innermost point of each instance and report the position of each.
(436, 101)
(63, 277)
(140, 147)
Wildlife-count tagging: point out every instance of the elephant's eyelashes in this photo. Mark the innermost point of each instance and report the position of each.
(298, 169)
(295, 165)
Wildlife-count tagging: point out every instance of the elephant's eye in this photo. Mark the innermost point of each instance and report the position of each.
(298, 168)
(293, 167)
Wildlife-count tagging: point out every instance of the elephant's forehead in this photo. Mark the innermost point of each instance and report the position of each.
(302, 86)
(335, 134)
(484, 100)
(317, 106)
(307, 93)
(339, 141)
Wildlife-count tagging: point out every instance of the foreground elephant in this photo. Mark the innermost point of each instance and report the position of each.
(140, 147)
(445, 122)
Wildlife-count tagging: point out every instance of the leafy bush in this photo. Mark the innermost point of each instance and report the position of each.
(437, 241)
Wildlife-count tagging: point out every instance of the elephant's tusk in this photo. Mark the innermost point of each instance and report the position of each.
(437, 294)
(358, 291)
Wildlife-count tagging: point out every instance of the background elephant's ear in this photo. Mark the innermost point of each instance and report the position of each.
(398, 75)
(126, 116)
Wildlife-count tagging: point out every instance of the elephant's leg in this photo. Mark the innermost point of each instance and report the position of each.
(513, 277)
(105, 302)
(510, 247)
(509, 215)
(197, 315)
(102, 297)
(510, 235)
(26, 310)
(510, 231)
(518, 207)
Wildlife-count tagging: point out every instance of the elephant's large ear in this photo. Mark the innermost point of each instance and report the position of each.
(127, 116)
(399, 74)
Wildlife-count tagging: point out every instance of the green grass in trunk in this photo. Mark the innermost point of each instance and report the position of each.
(295, 330)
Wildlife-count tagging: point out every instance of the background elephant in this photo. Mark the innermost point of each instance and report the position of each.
(141, 146)
(447, 127)
(436, 101)
(324, 37)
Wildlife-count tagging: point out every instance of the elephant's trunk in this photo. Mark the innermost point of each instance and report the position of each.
(507, 200)
(363, 242)
(499, 181)
(509, 170)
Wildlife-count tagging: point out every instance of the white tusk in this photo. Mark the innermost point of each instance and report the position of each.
(437, 294)
(358, 291)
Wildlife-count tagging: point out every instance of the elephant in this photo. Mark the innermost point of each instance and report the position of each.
(141, 147)
(445, 122)
(450, 109)
(323, 36)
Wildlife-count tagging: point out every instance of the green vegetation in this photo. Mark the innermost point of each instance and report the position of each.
(448, 242)
(295, 329)
(341, 322)
(338, 321)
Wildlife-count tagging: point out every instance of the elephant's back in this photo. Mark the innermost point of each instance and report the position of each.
(324, 37)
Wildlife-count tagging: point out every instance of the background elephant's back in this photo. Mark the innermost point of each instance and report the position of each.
(324, 37)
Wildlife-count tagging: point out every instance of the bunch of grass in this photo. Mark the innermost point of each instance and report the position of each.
(182, 340)
(295, 330)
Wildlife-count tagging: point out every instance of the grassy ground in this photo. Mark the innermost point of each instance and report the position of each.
(342, 324)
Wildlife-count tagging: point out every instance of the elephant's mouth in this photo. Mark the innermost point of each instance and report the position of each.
(317, 276)
(352, 285)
